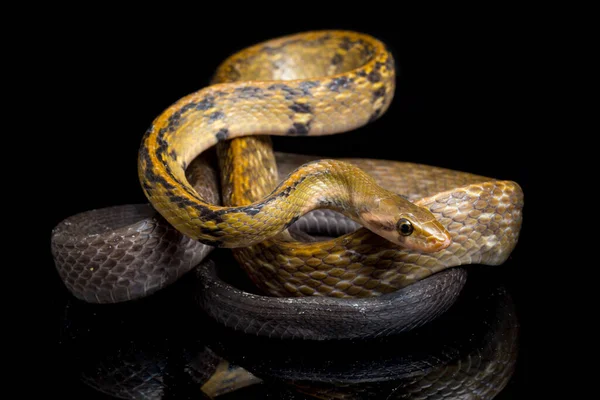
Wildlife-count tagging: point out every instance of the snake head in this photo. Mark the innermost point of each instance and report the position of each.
(406, 224)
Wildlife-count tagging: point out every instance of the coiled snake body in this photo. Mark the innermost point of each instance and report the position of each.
(306, 106)
(308, 84)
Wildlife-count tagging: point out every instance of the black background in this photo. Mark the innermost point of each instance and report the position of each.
(461, 100)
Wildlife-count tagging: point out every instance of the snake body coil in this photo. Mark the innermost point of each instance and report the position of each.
(418, 220)
(327, 99)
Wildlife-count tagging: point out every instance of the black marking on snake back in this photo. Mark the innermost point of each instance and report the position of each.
(145, 156)
(347, 43)
(151, 176)
(161, 150)
(379, 93)
(250, 92)
(366, 52)
(362, 73)
(208, 231)
(300, 108)
(181, 202)
(187, 107)
(223, 134)
(286, 192)
(174, 121)
(292, 221)
(215, 116)
(342, 82)
(205, 104)
(148, 132)
(307, 85)
(283, 193)
(160, 154)
(299, 129)
(337, 59)
(205, 212)
(374, 76)
(147, 187)
(288, 92)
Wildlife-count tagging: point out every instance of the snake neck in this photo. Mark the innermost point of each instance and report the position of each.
(331, 184)
(323, 105)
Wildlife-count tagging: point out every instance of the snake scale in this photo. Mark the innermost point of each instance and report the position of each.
(416, 220)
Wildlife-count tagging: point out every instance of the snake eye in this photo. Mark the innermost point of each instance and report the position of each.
(405, 227)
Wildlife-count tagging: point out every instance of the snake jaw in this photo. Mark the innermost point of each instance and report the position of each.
(438, 237)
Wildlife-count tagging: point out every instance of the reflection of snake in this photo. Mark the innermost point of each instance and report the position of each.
(128, 252)
(177, 355)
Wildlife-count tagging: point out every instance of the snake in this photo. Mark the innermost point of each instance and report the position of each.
(309, 105)
(483, 215)
(417, 220)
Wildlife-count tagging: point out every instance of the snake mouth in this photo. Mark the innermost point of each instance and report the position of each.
(430, 245)
(444, 244)
(438, 237)
(438, 244)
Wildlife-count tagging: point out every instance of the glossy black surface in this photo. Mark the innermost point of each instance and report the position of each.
(459, 102)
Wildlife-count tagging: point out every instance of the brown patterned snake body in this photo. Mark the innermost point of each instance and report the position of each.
(308, 84)
(256, 102)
